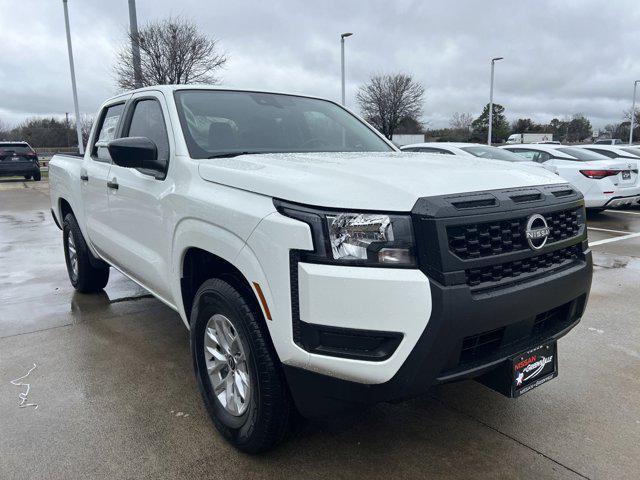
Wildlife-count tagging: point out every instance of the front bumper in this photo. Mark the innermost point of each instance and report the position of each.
(485, 296)
(504, 322)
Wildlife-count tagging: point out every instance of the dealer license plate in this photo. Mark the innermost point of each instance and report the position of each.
(533, 368)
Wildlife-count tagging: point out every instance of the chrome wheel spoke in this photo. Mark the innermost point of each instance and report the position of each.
(219, 385)
(226, 365)
(240, 385)
(216, 356)
(73, 254)
(230, 393)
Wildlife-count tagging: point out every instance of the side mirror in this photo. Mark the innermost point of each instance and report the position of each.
(135, 152)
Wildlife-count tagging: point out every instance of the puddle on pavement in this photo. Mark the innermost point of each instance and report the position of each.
(606, 260)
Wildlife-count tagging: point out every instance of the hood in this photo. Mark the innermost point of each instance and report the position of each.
(375, 181)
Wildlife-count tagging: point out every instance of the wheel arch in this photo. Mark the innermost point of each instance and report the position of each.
(199, 265)
(64, 208)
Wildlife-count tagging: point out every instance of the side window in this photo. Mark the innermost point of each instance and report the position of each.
(602, 151)
(433, 150)
(147, 121)
(528, 154)
(534, 155)
(106, 132)
(543, 157)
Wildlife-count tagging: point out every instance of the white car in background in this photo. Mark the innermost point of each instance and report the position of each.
(616, 152)
(605, 182)
(473, 150)
(609, 141)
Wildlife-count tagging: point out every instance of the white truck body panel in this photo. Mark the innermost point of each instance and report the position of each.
(529, 138)
(225, 206)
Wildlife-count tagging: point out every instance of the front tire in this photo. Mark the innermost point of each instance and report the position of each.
(85, 276)
(237, 369)
(37, 176)
(27, 177)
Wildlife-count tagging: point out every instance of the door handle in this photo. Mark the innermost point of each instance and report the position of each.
(113, 184)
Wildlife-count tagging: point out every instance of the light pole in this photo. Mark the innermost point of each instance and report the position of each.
(493, 63)
(633, 111)
(73, 78)
(135, 43)
(342, 37)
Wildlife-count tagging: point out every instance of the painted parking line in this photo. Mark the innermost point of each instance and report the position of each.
(614, 239)
(623, 211)
(598, 229)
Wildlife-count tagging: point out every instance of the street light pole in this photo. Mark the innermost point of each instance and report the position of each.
(493, 62)
(633, 111)
(73, 78)
(342, 37)
(135, 43)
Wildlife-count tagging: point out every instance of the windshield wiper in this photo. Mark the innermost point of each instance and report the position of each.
(234, 154)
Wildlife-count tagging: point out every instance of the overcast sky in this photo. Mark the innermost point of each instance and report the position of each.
(561, 57)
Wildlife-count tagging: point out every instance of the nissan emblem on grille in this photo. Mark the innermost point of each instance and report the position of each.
(537, 231)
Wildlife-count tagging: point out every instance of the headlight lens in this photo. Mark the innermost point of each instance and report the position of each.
(353, 238)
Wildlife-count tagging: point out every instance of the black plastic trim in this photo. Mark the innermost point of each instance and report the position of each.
(622, 198)
(456, 313)
(432, 216)
(357, 344)
(55, 219)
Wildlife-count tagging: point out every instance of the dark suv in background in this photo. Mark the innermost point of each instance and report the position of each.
(19, 159)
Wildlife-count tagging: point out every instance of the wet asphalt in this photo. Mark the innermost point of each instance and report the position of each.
(117, 398)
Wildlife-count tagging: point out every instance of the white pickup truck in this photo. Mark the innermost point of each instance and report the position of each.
(318, 267)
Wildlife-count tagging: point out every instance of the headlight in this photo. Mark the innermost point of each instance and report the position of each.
(354, 238)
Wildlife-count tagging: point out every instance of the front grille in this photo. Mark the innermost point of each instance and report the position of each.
(482, 347)
(479, 240)
(486, 276)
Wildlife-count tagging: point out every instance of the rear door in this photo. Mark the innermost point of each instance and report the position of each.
(141, 229)
(93, 178)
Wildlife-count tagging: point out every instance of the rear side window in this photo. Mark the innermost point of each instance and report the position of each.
(147, 121)
(602, 151)
(107, 131)
(581, 154)
(532, 155)
(427, 150)
(491, 152)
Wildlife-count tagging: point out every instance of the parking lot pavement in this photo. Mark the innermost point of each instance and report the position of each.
(117, 399)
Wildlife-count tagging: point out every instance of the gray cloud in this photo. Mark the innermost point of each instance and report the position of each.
(560, 57)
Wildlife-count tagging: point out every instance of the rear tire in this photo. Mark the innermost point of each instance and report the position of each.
(27, 177)
(87, 275)
(260, 419)
(37, 177)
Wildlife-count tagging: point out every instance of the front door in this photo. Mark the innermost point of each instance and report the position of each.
(137, 200)
(93, 180)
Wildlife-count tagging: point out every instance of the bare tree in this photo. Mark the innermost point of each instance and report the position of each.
(5, 130)
(386, 100)
(461, 121)
(172, 51)
(86, 123)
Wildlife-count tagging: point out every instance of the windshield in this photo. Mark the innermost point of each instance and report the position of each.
(632, 150)
(493, 153)
(582, 154)
(220, 122)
